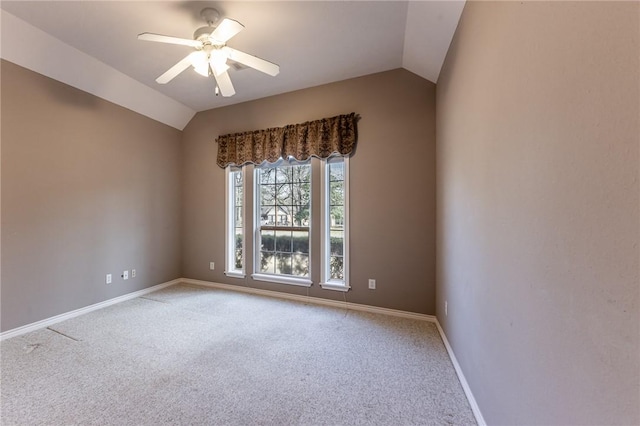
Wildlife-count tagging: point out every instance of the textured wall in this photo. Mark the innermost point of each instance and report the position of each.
(538, 210)
(88, 188)
(392, 195)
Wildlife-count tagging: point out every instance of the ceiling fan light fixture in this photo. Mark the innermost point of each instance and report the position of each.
(218, 61)
(200, 62)
(203, 70)
(198, 58)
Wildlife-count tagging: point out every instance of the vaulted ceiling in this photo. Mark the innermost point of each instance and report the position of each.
(92, 45)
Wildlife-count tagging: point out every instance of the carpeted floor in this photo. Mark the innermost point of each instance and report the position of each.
(190, 355)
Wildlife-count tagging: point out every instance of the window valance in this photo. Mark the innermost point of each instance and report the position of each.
(319, 138)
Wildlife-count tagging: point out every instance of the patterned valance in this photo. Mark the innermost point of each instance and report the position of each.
(320, 138)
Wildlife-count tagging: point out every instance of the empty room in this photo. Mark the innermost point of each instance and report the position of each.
(320, 212)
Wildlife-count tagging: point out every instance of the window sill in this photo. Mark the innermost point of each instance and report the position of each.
(234, 274)
(334, 286)
(303, 282)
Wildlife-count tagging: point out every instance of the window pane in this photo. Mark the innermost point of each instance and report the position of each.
(300, 193)
(284, 216)
(284, 193)
(336, 170)
(283, 263)
(267, 195)
(283, 241)
(239, 235)
(336, 219)
(265, 214)
(238, 217)
(301, 174)
(301, 215)
(337, 243)
(267, 174)
(238, 248)
(301, 242)
(284, 174)
(268, 241)
(237, 178)
(336, 193)
(238, 259)
(301, 265)
(238, 198)
(336, 268)
(267, 262)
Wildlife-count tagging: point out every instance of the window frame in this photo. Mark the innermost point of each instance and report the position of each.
(230, 221)
(325, 227)
(279, 278)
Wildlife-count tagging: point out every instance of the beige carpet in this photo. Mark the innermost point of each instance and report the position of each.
(190, 355)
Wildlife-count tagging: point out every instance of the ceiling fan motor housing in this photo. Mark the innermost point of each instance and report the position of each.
(211, 16)
(202, 33)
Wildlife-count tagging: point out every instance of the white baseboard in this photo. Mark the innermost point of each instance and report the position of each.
(463, 381)
(314, 300)
(68, 315)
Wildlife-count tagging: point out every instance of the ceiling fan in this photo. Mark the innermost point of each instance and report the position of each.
(212, 53)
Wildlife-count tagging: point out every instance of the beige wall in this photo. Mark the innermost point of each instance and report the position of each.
(392, 195)
(538, 209)
(88, 188)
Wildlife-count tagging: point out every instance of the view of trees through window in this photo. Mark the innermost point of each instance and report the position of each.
(237, 194)
(284, 193)
(282, 214)
(336, 203)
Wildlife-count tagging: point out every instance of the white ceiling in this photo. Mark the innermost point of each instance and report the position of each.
(313, 42)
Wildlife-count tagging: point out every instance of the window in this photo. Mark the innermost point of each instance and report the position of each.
(283, 231)
(235, 224)
(335, 214)
(283, 222)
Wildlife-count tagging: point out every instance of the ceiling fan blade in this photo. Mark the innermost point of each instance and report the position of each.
(227, 29)
(224, 84)
(172, 72)
(253, 61)
(167, 39)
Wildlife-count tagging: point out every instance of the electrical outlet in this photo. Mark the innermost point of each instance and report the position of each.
(372, 284)
(212, 265)
(445, 308)
(125, 275)
(108, 279)
(133, 273)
